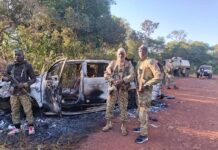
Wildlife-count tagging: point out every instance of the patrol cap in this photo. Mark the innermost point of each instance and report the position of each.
(18, 50)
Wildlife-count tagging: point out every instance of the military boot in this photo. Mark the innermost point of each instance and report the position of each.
(123, 128)
(108, 126)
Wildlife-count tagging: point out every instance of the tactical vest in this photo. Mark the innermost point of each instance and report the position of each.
(119, 74)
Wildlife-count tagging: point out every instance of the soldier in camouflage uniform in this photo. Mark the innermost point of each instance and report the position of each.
(119, 74)
(169, 77)
(148, 74)
(23, 73)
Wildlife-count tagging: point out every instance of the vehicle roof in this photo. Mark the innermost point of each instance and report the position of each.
(81, 61)
(90, 61)
(202, 66)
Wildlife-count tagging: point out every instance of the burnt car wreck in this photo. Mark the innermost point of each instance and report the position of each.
(69, 85)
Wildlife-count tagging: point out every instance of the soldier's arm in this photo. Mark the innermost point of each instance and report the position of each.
(108, 72)
(156, 73)
(31, 75)
(131, 75)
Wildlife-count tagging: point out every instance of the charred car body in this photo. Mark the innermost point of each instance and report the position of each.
(69, 84)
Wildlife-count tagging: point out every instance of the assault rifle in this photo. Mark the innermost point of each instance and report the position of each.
(15, 83)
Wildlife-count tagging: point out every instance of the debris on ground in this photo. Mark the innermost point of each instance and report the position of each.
(54, 130)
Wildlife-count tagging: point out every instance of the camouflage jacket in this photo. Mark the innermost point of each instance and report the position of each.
(148, 72)
(23, 73)
(115, 71)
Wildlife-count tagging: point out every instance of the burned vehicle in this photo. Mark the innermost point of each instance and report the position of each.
(68, 85)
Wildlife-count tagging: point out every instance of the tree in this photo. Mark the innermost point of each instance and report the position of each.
(215, 50)
(156, 45)
(134, 40)
(177, 35)
(148, 27)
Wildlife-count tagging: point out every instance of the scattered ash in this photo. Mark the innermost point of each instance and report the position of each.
(52, 132)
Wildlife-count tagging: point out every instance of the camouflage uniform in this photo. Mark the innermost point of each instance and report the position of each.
(148, 73)
(169, 77)
(16, 102)
(23, 73)
(114, 72)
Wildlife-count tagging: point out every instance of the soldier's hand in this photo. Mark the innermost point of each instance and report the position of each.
(146, 87)
(20, 85)
(140, 90)
(5, 79)
(118, 82)
(11, 90)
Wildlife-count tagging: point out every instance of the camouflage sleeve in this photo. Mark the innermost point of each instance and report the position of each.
(108, 72)
(31, 74)
(131, 75)
(156, 73)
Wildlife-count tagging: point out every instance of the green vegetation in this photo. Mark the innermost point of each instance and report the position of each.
(79, 29)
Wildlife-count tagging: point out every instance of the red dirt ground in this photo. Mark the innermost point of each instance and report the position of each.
(189, 123)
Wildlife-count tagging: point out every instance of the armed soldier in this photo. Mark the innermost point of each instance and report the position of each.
(119, 74)
(21, 75)
(148, 74)
(169, 77)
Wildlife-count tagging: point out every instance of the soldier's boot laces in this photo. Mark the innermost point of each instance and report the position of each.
(107, 127)
(124, 131)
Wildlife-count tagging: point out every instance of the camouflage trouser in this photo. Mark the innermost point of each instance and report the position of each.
(169, 80)
(122, 101)
(16, 102)
(144, 102)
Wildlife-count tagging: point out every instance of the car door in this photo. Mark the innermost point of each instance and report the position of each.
(95, 85)
(51, 87)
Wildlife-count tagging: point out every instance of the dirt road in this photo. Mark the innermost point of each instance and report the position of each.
(189, 123)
